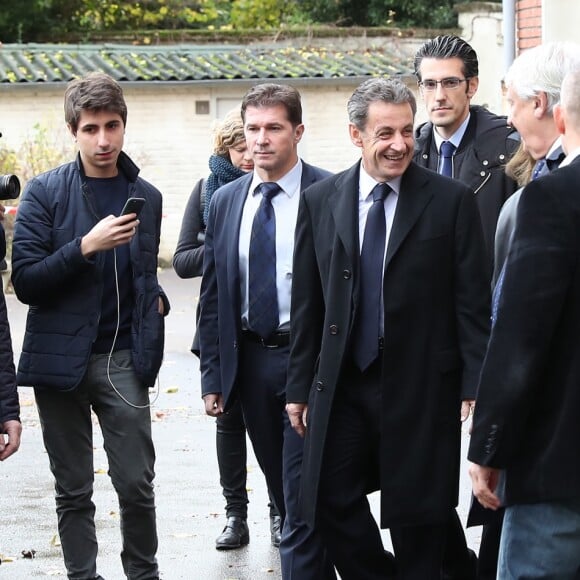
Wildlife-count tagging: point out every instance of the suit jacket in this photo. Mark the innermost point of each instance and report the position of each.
(220, 324)
(436, 303)
(526, 419)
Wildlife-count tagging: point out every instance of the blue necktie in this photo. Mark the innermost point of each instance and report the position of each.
(263, 315)
(538, 168)
(446, 150)
(366, 332)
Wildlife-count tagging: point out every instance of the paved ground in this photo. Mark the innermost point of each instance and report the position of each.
(190, 506)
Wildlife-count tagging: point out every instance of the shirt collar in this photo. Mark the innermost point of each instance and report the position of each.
(570, 157)
(367, 184)
(289, 183)
(456, 137)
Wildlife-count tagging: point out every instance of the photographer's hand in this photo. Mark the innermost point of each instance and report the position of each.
(2, 211)
(109, 233)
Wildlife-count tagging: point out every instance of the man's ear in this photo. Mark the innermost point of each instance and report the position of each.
(298, 132)
(559, 119)
(540, 105)
(355, 135)
(472, 86)
(71, 131)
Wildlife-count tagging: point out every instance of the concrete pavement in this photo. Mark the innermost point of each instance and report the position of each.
(190, 507)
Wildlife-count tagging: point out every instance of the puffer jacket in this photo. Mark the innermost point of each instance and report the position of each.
(479, 162)
(64, 290)
(9, 406)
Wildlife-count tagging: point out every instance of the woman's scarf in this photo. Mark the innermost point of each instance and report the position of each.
(222, 172)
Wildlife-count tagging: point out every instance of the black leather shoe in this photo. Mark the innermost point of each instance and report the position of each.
(235, 534)
(275, 531)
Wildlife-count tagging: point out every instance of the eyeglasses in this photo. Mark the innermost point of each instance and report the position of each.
(448, 83)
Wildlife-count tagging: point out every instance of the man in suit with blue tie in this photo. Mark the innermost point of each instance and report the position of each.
(390, 310)
(245, 307)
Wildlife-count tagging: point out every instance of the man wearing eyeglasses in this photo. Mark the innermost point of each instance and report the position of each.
(469, 143)
(463, 141)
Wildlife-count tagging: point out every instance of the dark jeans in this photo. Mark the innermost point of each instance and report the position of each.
(68, 438)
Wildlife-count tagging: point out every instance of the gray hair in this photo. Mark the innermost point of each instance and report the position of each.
(377, 89)
(542, 70)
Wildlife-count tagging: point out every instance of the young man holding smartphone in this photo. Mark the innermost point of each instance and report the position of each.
(94, 333)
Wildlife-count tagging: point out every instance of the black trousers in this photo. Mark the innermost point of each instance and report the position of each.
(232, 461)
(350, 470)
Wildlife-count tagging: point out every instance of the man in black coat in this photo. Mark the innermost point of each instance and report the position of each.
(10, 426)
(480, 145)
(387, 421)
(447, 70)
(524, 444)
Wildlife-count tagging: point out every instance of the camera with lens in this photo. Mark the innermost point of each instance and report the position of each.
(9, 187)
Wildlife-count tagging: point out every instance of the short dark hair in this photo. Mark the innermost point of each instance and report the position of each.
(271, 95)
(96, 91)
(377, 89)
(448, 46)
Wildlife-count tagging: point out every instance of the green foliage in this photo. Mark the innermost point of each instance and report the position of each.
(52, 20)
(37, 154)
(149, 14)
(262, 14)
(427, 13)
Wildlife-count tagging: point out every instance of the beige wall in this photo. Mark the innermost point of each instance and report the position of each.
(170, 142)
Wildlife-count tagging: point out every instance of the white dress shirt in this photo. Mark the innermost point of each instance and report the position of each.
(455, 139)
(285, 206)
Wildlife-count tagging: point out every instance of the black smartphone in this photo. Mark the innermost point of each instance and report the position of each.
(133, 205)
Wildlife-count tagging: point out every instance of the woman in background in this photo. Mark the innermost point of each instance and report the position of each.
(230, 159)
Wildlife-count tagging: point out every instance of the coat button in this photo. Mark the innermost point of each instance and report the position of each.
(501, 157)
(333, 329)
(482, 174)
(346, 274)
(485, 162)
(319, 386)
(425, 156)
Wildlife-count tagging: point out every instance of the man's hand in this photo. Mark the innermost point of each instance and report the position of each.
(109, 233)
(297, 412)
(214, 404)
(484, 482)
(2, 211)
(10, 441)
(467, 408)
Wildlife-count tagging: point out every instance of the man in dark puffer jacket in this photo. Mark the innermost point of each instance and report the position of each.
(94, 333)
(10, 427)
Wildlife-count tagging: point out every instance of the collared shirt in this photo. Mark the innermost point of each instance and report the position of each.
(570, 157)
(455, 138)
(285, 206)
(365, 202)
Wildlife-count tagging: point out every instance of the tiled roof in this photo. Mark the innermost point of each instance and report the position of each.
(40, 63)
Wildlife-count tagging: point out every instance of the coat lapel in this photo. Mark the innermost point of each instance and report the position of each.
(414, 196)
(233, 236)
(343, 202)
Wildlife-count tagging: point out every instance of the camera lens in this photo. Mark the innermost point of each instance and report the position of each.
(9, 187)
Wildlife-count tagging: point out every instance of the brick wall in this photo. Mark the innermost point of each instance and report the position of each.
(528, 24)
